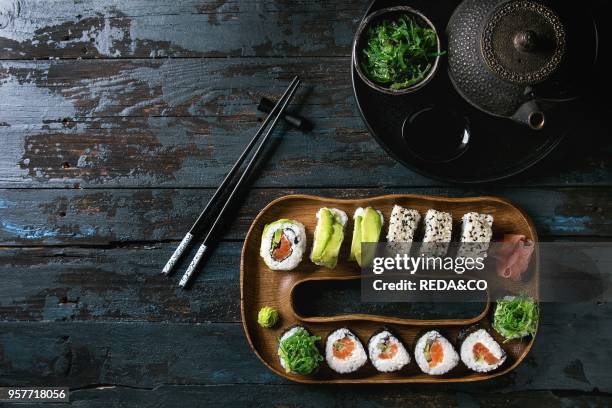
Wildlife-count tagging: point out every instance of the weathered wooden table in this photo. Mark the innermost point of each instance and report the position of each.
(118, 119)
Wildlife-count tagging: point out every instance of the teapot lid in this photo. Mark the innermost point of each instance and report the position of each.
(523, 42)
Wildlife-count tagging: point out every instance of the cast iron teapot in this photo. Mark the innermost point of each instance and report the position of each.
(520, 59)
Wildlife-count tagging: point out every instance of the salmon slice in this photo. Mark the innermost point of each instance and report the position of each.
(481, 352)
(389, 351)
(343, 348)
(436, 353)
(282, 250)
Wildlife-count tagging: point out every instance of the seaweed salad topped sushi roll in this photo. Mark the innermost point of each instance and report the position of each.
(298, 352)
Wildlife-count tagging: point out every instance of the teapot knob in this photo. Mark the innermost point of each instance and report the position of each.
(525, 41)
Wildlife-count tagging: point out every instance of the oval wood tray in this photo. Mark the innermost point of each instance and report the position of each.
(259, 286)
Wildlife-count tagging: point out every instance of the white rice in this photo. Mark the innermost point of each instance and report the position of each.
(295, 233)
(450, 360)
(339, 215)
(476, 234)
(438, 230)
(397, 362)
(353, 362)
(467, 351)
(286, 335)
(402, 226)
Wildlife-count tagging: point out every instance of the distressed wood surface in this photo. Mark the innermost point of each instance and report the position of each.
(253, 396)
(192, 28)
(117, 120)
(115, 216)
(145, 354)
(122, 283)
(182, 123)
(304, 396)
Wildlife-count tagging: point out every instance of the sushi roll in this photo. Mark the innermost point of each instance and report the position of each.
(328, 237)
(438, 229)
(298, 352)
(344, 352)
(368, 224)
(434, 354)
(387, 352)
(476, 234)
(481, 353)
(402, 226)
(283, 243)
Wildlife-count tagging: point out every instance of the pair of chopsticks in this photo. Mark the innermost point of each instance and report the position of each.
(276, 113)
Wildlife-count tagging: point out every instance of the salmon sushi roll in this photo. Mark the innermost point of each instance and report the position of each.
(387, 352)
(434, 354)
(344, 352)
(481, 353)
(283, 243)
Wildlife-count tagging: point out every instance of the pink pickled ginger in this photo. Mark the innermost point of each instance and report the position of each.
(513, 256)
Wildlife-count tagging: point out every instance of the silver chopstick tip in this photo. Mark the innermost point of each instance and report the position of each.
(177, 253)
(192, 266)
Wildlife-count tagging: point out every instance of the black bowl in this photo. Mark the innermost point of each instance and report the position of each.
(390, 14)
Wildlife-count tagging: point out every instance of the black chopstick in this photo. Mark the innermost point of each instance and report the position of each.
(184, 244)
(205, 243)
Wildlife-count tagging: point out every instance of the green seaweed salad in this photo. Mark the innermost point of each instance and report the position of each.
(516, 317)
(300, 353)
(399, 53)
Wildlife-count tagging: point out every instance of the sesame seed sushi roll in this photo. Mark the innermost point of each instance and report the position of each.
(328, 237)
(438, 229)
(476, 234)
(344, 352)
(402, 226)
(298, 352)
(434, 354)
(481, 353)
(387, 353)
(283, 243)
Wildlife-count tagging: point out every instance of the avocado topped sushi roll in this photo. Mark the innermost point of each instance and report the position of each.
(387, 353)
(344, 352)
(283, 243)
(367, 228)
(434, 354)
(298, 352)
(328, 237)
(481, 353)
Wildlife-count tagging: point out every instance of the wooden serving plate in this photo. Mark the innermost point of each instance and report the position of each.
(260, 286)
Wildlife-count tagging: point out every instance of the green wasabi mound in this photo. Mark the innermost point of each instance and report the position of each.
(516, 317)
(267, 317)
